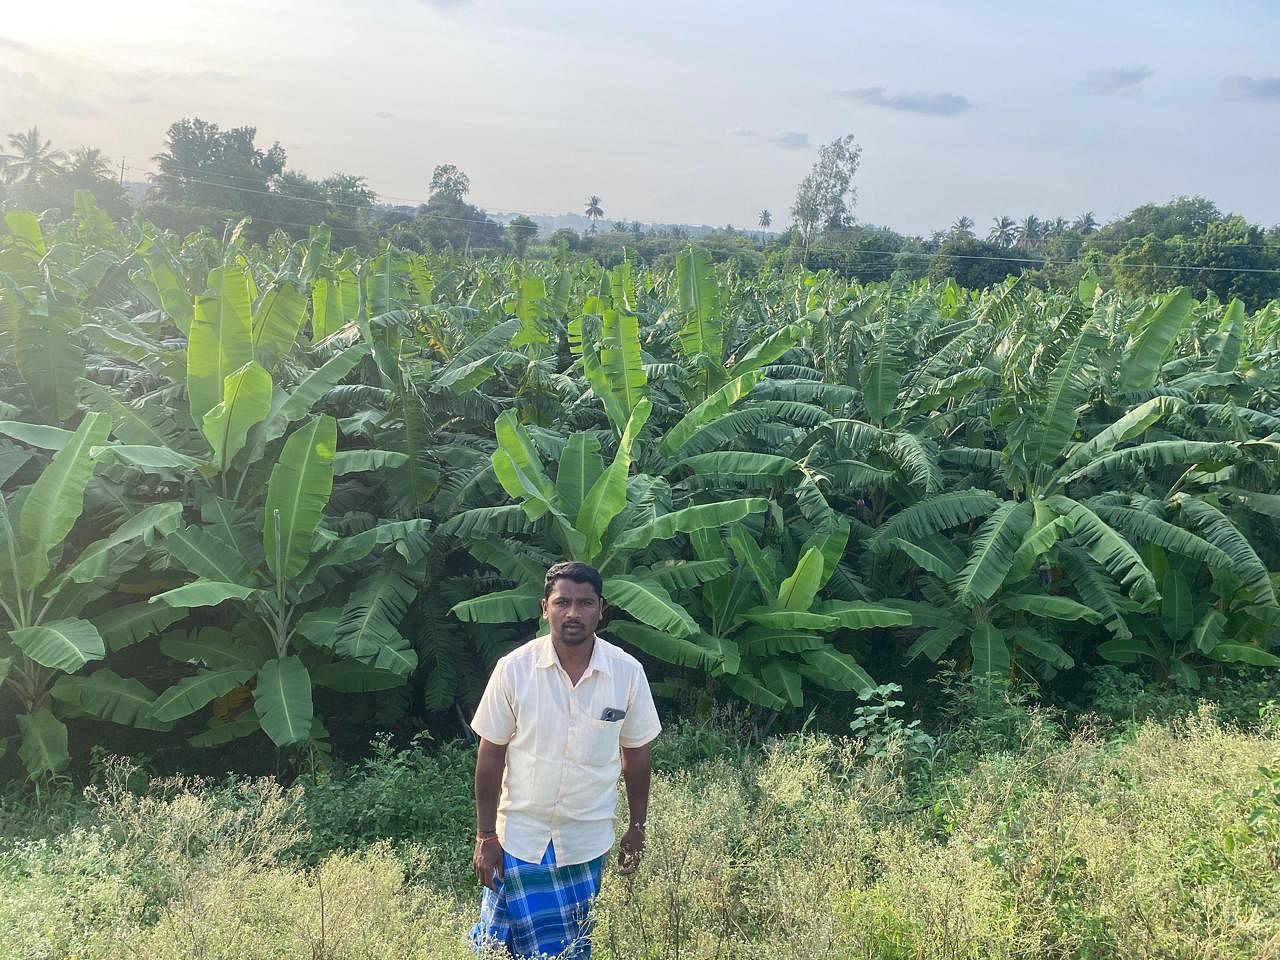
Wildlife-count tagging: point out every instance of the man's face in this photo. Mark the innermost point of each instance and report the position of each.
(573, 610)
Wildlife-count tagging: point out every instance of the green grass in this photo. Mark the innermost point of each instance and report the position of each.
(1160, 842)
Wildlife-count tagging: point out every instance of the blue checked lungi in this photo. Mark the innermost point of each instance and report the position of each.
(540, 910)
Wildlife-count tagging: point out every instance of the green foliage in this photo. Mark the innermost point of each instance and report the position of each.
(1166, 835)
(791, 482)
(407, 796)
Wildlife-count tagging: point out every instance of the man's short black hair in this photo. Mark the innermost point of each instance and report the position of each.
(575, 571)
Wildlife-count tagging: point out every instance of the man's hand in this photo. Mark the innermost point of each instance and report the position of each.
(486, 861)
(631, 850)
(636, 769)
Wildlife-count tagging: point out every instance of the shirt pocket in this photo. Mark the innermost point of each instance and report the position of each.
(600, 744)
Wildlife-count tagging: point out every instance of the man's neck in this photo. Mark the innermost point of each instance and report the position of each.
(574, 657)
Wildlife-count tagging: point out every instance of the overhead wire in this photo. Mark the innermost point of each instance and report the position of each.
(330, 203)
(1050, 262)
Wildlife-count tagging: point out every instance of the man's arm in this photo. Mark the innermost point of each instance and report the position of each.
(491, 760)
(637, 769)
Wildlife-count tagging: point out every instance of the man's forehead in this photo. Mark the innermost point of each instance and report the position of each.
(564, 587)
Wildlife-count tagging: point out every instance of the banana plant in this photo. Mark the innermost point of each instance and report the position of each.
(46, 293)
(604, 516)
(1014, 623)
(1049, 505)
(286, 578)
(762, 635)
(1217, 620)
(237, 337)
(46, 587)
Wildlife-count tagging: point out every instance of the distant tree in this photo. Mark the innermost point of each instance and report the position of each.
(447, 181)
(349, 190)
(766, 220)
(342, 201)
(88, 163)
(1085, 224)
(1180, 217)
(565, 237)
(619, 226)
(1054, 227)
(1029, 233)
(205, 166)
(971, 263)
(448, 222)
(859, 252)
(1232, 258)
(520, 231)
(594, 211)
(87, 169)
(30, 159)
(637, 229)
(1229, 256)
(962, 227)
(826, 195)
(44, 178)
(1063, 245)
(1003, 231)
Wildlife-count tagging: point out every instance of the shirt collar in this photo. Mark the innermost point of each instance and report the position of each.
(599, 662)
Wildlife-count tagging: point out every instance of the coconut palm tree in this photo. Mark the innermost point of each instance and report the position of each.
(1030, 232)
(766, 219)
(88, 163)
(31, 159)
(594, 211)
(962, 227)
(1085, 224)
(1002, 231)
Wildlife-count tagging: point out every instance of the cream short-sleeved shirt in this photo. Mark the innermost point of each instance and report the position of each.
(563, 759)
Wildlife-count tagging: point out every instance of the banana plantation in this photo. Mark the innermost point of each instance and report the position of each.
(260, 491)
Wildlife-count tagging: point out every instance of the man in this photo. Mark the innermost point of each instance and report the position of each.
(561, 716)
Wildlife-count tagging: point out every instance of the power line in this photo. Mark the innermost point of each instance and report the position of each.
(381, 196)
(1057, 263)
(276, 194)
(327, 203)
(1098, 241)
(235, 176)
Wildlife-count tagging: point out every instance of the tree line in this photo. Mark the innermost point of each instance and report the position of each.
(208, 177)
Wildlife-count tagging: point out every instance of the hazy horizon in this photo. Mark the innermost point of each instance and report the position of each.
(698, 114)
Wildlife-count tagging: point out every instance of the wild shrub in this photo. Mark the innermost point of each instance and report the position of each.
(408, 796)
(1155, 845)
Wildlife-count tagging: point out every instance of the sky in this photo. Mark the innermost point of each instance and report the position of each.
(701, 111)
